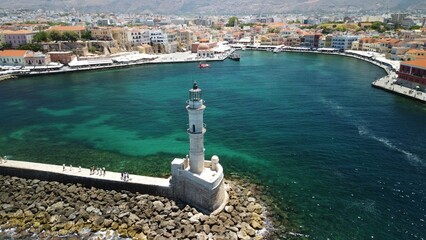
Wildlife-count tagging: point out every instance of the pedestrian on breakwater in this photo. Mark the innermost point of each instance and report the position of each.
(122, 176)
(63, 167)
(104, 171)
(70, 167)
(79, 168)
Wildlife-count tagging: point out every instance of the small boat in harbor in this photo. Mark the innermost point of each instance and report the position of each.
(234, 56)
(203, 65)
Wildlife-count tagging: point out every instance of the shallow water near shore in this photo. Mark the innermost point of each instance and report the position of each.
(341, 159)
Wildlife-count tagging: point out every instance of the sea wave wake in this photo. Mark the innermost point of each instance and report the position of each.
(363, 130)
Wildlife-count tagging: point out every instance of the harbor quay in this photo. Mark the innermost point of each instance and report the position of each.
(107, 63)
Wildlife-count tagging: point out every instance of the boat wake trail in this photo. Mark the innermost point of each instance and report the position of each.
(360, 124)
(412, 158)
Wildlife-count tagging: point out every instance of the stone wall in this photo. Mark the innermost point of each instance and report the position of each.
(106, 184)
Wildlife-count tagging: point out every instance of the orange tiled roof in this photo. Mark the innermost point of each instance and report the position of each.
(416, 51)
(415, 63)
(13, 53)
(67, 28)
(17, 32)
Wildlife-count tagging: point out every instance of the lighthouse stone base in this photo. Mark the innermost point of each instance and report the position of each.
(205, 191)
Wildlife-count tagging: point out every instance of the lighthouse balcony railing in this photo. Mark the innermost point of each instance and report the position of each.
(193, 103)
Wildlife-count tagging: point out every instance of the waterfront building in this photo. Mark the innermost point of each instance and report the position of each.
(36, 59)
(312, 40)
(293, 41)
(195, 180)
(13, 57)
(16, 38)
(343, 42)
(139, 36)
(62, 57)
(157, 36)
(184, 39)
(398, 53)
(415, 54)
(75, 29)
(272, 39)
(102, 33)
(121, 37)
(413, 74)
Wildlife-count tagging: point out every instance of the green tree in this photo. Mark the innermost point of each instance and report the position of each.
(273, 30)
(326, 30)
(55, 36)
(415, 27)
(69, 36)
(5, 46)
(30, 46)
(377, 26)
(41, 36)
(87, 35)
(231, 21)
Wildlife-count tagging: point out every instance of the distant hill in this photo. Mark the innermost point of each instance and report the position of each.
(215, 6)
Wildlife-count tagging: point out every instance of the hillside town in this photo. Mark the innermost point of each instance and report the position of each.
(43, 41)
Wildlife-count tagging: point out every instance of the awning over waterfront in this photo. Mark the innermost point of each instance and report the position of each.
(134, 58)
(92, 62)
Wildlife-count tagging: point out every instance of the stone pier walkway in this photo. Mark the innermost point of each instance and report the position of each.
(387, 83)
(84, 172)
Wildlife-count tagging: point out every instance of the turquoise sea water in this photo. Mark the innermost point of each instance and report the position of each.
(343, 160)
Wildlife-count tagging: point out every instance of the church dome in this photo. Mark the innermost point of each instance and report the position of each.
(203, 46)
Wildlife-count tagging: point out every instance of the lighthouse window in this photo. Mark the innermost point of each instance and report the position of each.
(195, 96)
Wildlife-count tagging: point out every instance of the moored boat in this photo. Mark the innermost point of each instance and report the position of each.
(234, 56)
(203, 65)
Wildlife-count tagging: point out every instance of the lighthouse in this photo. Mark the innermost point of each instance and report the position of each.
(195, 180)
(196, 129)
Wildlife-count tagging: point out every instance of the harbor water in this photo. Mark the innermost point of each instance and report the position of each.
(342, 160)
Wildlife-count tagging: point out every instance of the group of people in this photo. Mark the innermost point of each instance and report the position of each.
(97, 171)
(125, 176)
(3, 159)
(63, 168)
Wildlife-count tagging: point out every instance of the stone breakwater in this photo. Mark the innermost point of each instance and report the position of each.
(41, 209)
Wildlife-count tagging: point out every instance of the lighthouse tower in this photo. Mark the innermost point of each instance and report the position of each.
(196, 129)
(197, 181)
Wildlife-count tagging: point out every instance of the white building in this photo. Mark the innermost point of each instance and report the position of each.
(157, 37)
(343, 42)
(139, 36)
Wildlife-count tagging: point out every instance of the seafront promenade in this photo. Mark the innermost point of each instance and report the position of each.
(389, 83)
(179, 57)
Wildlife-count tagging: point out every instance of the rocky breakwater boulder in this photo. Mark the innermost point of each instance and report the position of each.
(47, 209)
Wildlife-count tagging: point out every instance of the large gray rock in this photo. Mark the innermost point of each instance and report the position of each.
(158, 206)
(55, 207)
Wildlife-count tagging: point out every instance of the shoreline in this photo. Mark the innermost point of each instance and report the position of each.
(387, 82)
(179, 57)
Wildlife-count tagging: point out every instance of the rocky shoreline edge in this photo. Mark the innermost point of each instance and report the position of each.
(37, 209)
